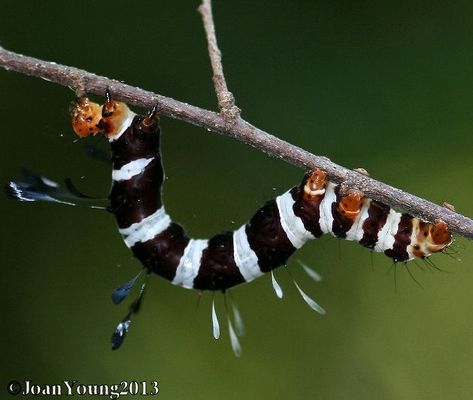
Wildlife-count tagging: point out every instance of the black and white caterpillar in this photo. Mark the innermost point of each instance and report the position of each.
(307, 211)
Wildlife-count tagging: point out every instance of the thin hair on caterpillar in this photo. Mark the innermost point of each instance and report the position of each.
(309, 210)
(419, 266)
(454, 249)
(432, 266)
(394, 269)
(428, 265)
(412, 275)
(372, 260)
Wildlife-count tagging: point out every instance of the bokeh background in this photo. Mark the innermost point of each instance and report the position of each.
(384, 85)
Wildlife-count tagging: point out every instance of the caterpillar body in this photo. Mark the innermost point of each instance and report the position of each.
(310, 209)
(307, 211)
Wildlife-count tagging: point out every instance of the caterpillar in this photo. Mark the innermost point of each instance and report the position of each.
(307, 211)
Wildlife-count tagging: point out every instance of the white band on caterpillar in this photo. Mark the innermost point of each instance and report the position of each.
(326, 216)
(131, 169)
(245, 258)
(189, 264)
(292, 224)
(147, 228)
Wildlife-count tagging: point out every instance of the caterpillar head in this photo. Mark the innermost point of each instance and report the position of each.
(430, 238)
(85, 116)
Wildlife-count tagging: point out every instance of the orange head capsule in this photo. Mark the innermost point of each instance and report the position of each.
(86, 116)
(440, 236)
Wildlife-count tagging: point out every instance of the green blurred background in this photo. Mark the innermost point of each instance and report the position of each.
(382, 85)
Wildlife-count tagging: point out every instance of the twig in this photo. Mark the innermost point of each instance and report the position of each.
(226, 101)
(86, 82)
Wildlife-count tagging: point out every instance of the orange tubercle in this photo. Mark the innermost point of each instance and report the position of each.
(315, 184)
(350, 205)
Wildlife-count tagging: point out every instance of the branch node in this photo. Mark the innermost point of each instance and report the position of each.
(361, 171)
(226, 101)
(448, 206)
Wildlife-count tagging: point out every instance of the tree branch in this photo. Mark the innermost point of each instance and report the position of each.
(85, 82)
(226, 101)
